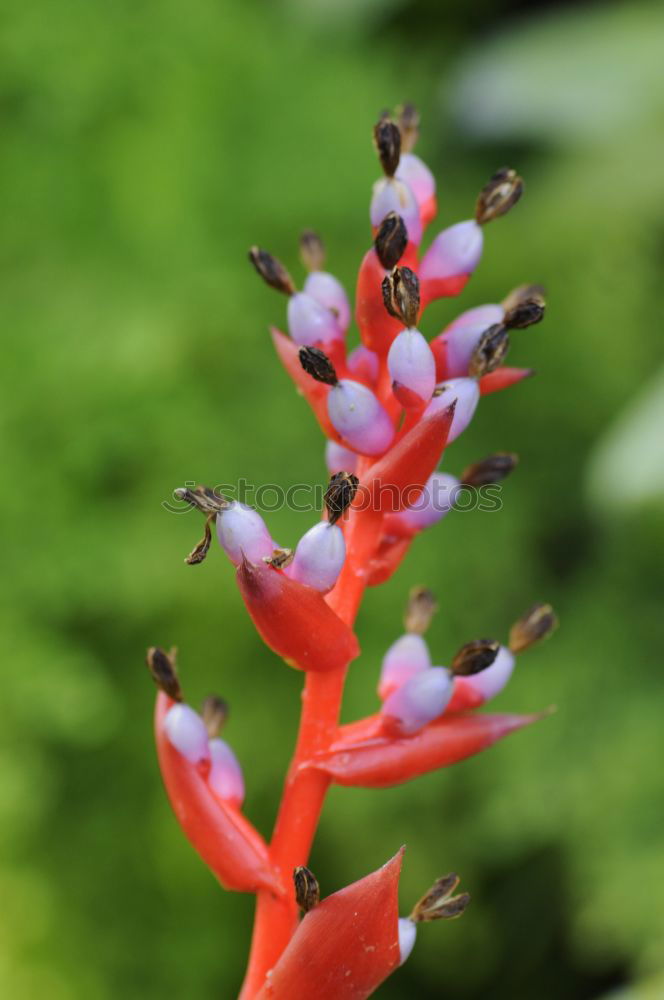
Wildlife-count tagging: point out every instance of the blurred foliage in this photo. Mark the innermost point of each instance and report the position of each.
(145, 147)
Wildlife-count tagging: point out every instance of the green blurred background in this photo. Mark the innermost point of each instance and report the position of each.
(145, 146)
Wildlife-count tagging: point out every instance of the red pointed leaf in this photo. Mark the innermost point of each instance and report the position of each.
(294, 620)
(503, 378)
(346, 946)
(226, 841)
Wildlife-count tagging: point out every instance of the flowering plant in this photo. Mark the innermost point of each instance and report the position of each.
(388, 408)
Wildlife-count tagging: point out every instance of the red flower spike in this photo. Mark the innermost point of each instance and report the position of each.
(294, 620)
(225, 840)
(503, 378)
(377, 328)
(381, 762)
(314, 392)
(346, 946)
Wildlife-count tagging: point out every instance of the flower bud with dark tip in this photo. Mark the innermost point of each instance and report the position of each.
(204, 499)
(359, 418)
(310, 321)
(401, 295)
(420, 609)
(391, 195)
(242, 533)
(492, 469)
(272, 271)
(420, 700)
(338, 458)
(408, 656)
(187, 732)
(307, 890)
(340, 494)
(536, 624)
(225, 778)
(312, 250)
(319, 557)
(391, 240)
(439, 903)
(215, 712)
(490, 351)
(164, 673)
(387, 140)
(528, 311)
(455, 252)
(435, 501)
(466, 393)
(474, 657)
(317, 364)
(499, 195)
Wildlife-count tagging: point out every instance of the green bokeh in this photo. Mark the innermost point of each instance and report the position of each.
(145, 147)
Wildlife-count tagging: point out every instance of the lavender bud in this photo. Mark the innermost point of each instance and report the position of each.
(462, 337)
(187, 732)
(391, 240)
(491, 681)
(457, 250)
(363, 361)
(319, 557)
(401, 295)
(405, 658)
(536, 624)
(312, 250)
(387, 140)
(340, 494)
(415, 173)
(474, 657)
(466, 393)
(434, 502)
(492, 469)
(339, 459)
(490, 351)
(330, 293)
(317, 364)
(392, 195)
(499, 195)
(407, 934)
(411, 363)
(272, 271)
(309, 322)
(359, 418)
(242, 532)
(417, 702)
(479, 316)
(225, 778)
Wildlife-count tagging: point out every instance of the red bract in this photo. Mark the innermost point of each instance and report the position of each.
(345, 947)
(503, 378)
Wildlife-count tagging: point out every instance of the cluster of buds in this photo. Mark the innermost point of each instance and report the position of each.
(388, 408)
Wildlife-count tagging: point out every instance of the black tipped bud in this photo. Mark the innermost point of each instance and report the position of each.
(387, 140)
(409, 125)
(317, 364)
(536, 624)
(312, 250)
(492, 469)
(215, 713)
(340, 494)
(202, 498)
(499, 195)
(307, 890)
(490, 352)
(474, 657)
(391, 240)
(401, 295)
(164, 673)
(422, 606)
(272, 271)
(439, 903)
(525, 310)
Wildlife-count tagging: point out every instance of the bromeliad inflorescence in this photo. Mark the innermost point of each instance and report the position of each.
(388, 409)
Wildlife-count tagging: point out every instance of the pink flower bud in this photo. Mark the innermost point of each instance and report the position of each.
(490, 682)
(406, 657)
(225, 777)
(411, 363)
(359, 418)
(463, 335)
(241, 530)
(328, 290)
(434, 502)
(417, 702)
(187, 732)
(407, 935)
(467, 394)
(455, 251)
(415, 173)
(339, 459)
(392, 195)
(309, 322)
(319, 557)
(364, 364)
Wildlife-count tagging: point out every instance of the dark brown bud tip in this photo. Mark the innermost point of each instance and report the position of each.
(307, 890)
(201, 549)
(312, 250)
(439, 903)
(474, 657)
(492, 469)
(164, 673)
(401, 295)
(391, 240)
(202, 498)
(521, 294)
(536, 624)
(526, 309)
(317, 364)
(215, 713)
(280, 558)
(409, 125)
(490, 352)
(272, 271)
(499, 195)
(340, 494)
(420, 609)
(387, 140)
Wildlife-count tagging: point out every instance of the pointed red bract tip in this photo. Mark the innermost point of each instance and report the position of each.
(503, 378)
(294, 620)
(346, 946)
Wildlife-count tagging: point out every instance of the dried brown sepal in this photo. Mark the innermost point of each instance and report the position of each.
(280, 558)
(521, 294)
(312, 250)
(490, 352)
(317, 364)
(215, 713)
(307, 890)
(536, 624)
(391, 240)
(387, 140)
(408, 118)
(499, 195)
(164, 672)
(526, 310)
(491, 469)
(420, 609)
(203, 498)
(201, 549)
(439, 903)
(272, 271)
(474, 657)
(401, 295)
(340, 494)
